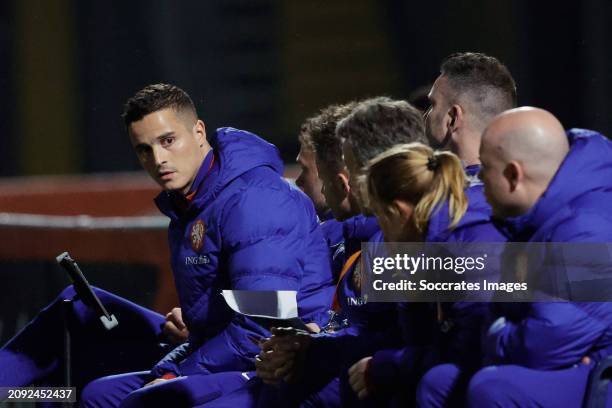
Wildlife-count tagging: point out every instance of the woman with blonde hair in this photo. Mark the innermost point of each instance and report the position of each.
(408, 182)
(419, 194)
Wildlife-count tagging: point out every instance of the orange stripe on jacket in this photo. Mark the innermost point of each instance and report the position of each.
(347, 265)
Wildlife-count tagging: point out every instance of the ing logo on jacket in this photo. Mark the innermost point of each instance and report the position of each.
(197, 235)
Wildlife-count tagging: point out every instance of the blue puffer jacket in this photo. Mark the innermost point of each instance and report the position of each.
(574, 208)
(371, 326)
(332, 232)
(373, 322)
(353, 310)
(475, 225)
(245, 229)
(427, 340)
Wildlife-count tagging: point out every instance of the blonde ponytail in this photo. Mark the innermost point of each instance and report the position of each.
(447, 185)
(417, 174)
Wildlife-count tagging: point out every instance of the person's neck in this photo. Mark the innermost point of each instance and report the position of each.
(205, 149)
(467, 146)
(535, 191)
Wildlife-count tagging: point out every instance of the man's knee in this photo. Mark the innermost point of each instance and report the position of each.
(94, 394)
(435, 386)
(110, 391)
(488, 388)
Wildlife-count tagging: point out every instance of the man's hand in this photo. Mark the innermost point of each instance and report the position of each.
(174, 330)
(313, 327)
(357, 377)
(281, 355)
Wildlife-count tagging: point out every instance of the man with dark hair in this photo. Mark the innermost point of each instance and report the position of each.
(348, 319)
(376, 124)
(308, 179)
(470, 91)
(373, 127)
(320, 384)
(379, 123)
(330, 163)
(230, 210)
(158, 97)
(234, 224)
(158, 117)
(332, 179)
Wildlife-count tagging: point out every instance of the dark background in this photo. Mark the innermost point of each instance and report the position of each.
(67, 66)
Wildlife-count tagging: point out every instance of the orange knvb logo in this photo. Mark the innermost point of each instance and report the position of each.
(197, 235)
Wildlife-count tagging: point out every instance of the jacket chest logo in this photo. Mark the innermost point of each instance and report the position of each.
(197, 235)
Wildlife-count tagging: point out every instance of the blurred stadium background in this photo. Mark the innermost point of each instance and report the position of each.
(69, 180)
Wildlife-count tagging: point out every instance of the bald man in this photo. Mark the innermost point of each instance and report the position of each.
(520, 153)
(547, 186)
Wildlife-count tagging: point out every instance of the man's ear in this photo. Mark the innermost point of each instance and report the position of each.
(456, 118)
(342, 179)
(200, 131)
(514, 174)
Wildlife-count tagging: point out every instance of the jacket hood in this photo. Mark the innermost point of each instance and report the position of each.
(587, 168)
(236, 152)
(360, 227)
(478, 211)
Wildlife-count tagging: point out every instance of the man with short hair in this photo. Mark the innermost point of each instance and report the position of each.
(375, 126)
(349, 319)
(372, 128)
(470, 91)
(234, 224)
(377, 123)
(547, 186)
(310, 183)
(330, 163)
(326, 357)
(308, 179)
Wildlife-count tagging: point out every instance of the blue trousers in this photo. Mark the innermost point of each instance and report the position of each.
(35, 354)
(128, 391)
(255, 394)
(443, 385)
(504, 386)
(244, 397)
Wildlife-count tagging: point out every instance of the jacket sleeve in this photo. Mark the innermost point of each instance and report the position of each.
(261, 230)
(330, 353)
(169, 364)
(391, 367)
(550, 336)
(556, 335)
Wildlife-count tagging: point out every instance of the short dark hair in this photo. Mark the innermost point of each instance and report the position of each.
(153, 98)
(321, 129)
(485, 78)
(378, 124)
(304, 136)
